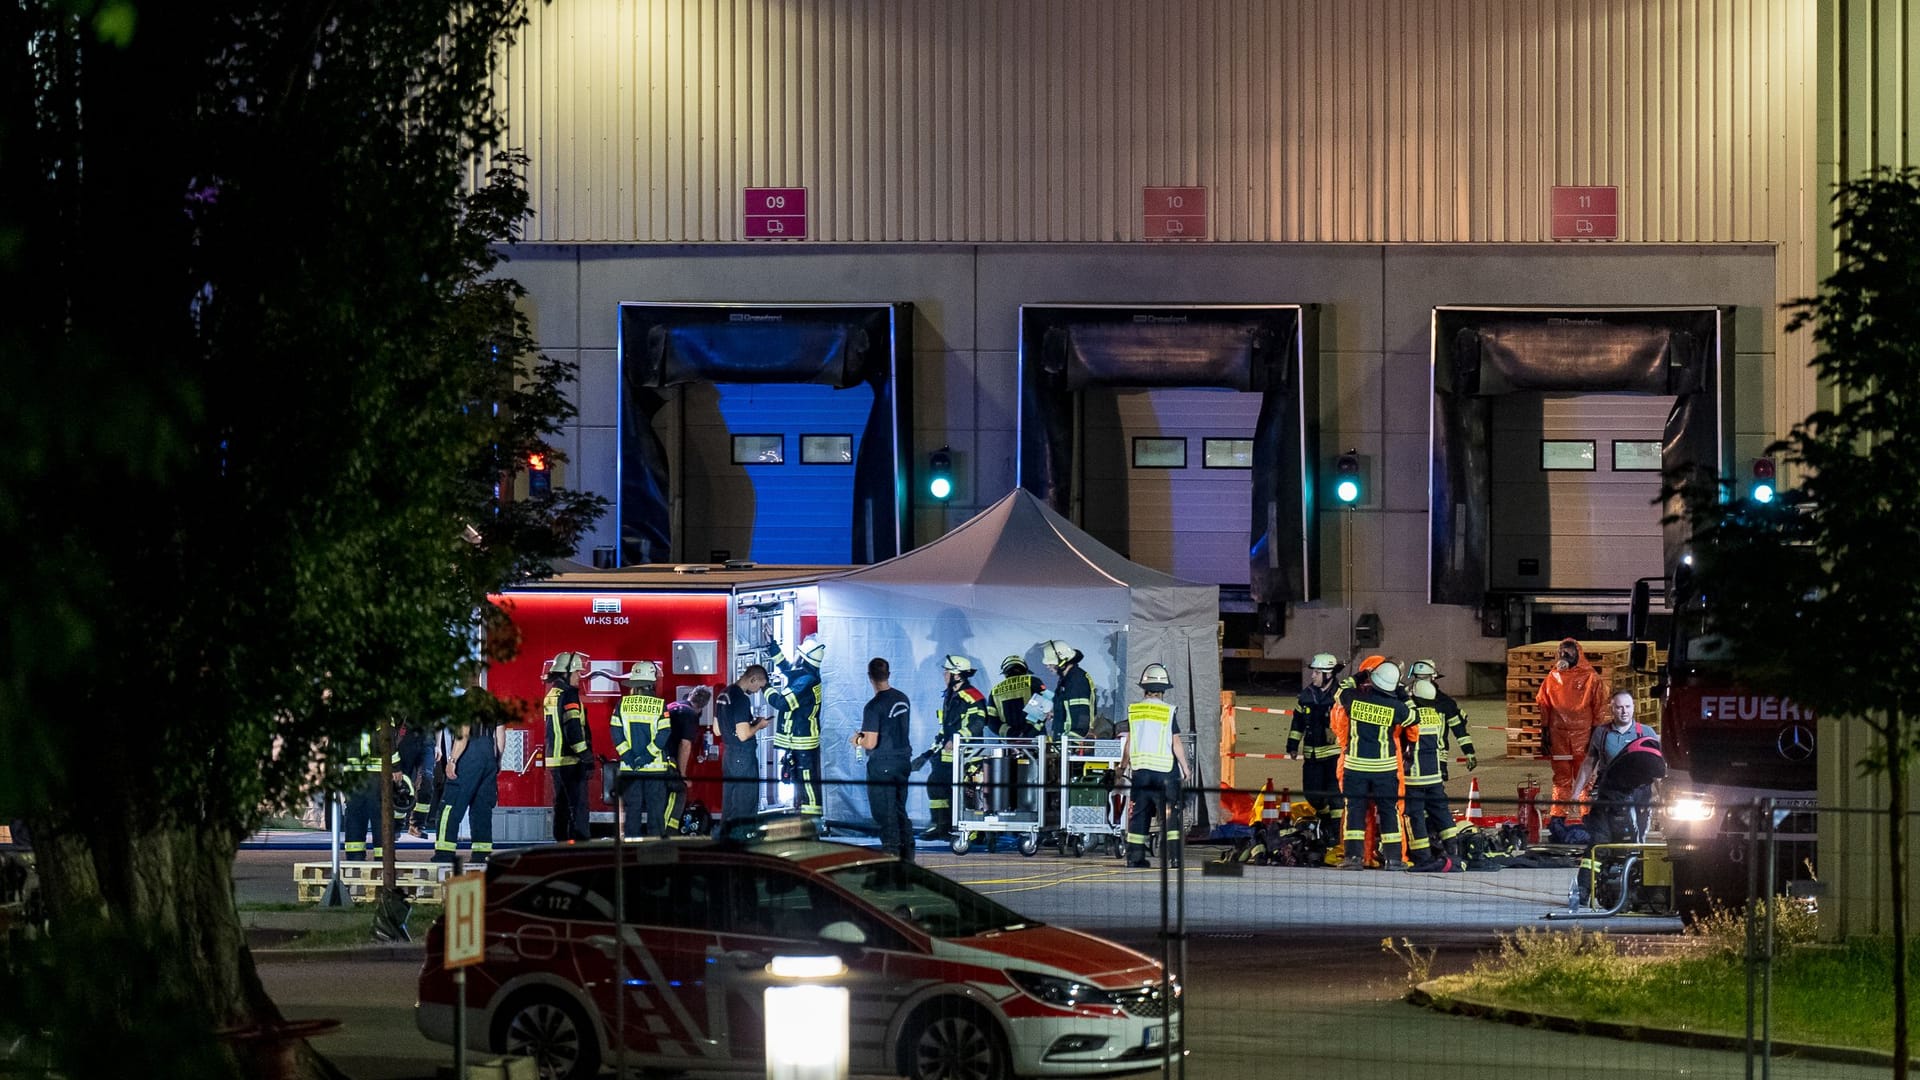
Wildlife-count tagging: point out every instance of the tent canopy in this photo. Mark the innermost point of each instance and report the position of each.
(1015, 575)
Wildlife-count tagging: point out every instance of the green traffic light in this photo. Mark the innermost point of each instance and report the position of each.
(941, 487)
(1348, 491)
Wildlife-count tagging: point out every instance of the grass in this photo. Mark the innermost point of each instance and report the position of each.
(339, 928)
(1838, 995)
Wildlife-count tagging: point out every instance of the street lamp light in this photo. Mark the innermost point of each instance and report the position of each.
(808, 1020)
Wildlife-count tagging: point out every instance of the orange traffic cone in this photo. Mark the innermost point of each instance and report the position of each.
(1473, 802)
(1269, 804)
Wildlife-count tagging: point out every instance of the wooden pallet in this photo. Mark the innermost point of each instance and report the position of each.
(419, 882)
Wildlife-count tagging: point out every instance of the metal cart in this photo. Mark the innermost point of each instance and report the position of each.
(1091, 796)
(1007, 786)
(1094, 804)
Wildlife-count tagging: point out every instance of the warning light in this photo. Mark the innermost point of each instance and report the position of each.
(1762, 490)
(1348, 485)
(539, 477)
(940, 474)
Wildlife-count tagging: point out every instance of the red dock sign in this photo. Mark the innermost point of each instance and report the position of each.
(1586, 213)
(775, 213)
(1175, 213)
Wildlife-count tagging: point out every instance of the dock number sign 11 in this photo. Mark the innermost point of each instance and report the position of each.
(466, 920)
(1586, 213)
(775, 213)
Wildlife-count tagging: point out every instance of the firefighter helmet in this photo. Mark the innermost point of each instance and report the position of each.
(1013, 665)
(1424, 690)
(813, 650)
(1423, 669)
(1058, 653)
(1386, 676)
(403, 797)
(642, 671)
(956, 664)
(1155, 678)
(567, 663)
(1325, 661)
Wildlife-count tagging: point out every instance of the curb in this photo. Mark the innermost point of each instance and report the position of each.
(1424, 996)
(412, 952)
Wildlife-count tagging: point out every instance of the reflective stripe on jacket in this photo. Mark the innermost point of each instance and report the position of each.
(640, 733)
(1150, 736)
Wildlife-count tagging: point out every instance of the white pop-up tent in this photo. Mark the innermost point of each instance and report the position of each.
(1015, 575)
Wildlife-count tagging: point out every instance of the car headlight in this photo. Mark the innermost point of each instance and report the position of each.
(1691, 806)
(1064, 993)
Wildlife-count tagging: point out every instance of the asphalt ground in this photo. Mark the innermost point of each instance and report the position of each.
(1257, 1005)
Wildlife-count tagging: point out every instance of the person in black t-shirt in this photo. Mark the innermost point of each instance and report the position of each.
(740, 742)
(883, 735)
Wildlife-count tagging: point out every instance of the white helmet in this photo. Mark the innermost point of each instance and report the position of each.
(567, 663)
(1424, 690)
(1423, 669)
(1325, 661)
(642, 671)
(1057, 653)
(813, 650)
(1011, 664)
(956, 664)
(1155, 677)
(1386, 676)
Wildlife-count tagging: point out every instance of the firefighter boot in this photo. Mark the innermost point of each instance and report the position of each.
(1435, 862)
(942, 827)
(1353, 859)
(1456, 856)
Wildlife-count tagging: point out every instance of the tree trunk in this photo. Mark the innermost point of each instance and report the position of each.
(1897, 771)
(149, 960)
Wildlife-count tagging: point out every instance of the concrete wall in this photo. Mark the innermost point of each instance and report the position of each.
(1375, 323)
(1858, 896)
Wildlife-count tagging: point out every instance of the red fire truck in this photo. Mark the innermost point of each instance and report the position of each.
(1729, 750)
(702, 623)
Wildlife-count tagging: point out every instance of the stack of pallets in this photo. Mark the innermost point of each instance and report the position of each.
(1527, 668)
(418, 881)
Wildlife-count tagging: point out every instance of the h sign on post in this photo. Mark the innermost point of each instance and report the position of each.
(466, 920)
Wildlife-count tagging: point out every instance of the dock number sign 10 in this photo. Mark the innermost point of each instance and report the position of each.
(1174, 213)
(775, 213)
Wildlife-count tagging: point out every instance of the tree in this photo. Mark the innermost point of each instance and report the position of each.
(1819, 593)
(265, 399)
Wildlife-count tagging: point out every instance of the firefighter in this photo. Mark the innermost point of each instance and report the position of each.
(1370, 764)
(569, 756)
(472, 790)
(1423, 789)
(1008, 699)
(362, 812)
(1154, 758)
(796, 708)
(1073, 693)
(1456, 717)
(1572, 701)
(416, 748)
(740, 739)
(1311, 738)
(963, 711)
(1337, 722)
(641, 732)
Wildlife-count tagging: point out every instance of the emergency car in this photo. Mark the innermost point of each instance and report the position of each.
(944, 982)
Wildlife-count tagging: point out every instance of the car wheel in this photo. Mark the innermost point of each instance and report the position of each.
(955, 1044)
(554, 1032)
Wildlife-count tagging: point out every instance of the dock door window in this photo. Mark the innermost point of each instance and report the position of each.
(1566, 455)
(1157, 453)
(759, 450)
(826, 449)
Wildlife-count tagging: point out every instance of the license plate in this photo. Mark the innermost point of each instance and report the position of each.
(1154, 1036)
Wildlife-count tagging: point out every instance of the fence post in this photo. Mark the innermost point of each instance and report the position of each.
(1748, 923)
(1766, 973)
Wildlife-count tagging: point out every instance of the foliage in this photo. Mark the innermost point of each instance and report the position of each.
(1818, 594)
(1824, 581)
(1828, 995)
(266, 391)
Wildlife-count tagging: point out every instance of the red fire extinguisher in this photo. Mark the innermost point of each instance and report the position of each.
(1530, 810)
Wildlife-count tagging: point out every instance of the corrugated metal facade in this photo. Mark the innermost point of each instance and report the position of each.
(1367, 121)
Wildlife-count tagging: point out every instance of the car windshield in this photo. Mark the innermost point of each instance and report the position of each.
(938, 906)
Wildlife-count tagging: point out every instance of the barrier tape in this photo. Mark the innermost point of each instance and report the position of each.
(1264, 709)
(1283, 757)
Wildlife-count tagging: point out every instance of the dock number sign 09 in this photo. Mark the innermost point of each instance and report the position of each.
(466, 920)
(775, 213)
